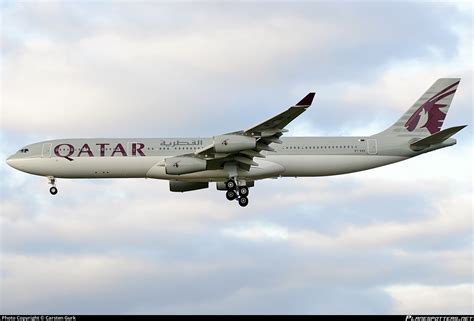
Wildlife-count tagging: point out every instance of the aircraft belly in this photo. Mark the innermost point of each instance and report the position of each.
(90, 167)
(325, 165)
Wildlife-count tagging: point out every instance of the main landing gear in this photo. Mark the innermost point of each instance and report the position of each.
(237, 192)
(53, 190)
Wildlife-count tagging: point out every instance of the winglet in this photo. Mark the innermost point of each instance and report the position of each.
(306, 101)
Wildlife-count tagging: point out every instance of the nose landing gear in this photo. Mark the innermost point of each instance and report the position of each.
(53, 190)
(237, 192)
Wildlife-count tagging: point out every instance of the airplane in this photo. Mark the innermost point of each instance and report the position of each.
(234, 161)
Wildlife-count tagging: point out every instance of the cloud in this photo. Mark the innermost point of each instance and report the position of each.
(68, 280)
(91, 82)
(84, 219)
(92, 72)
(422, 299)
(257, 231)
(439, 225)
(396, 239)
(384, 92)
(60, 277)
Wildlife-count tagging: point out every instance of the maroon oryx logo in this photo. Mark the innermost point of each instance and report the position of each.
(176, 164)
(430, 115)
(225, 142)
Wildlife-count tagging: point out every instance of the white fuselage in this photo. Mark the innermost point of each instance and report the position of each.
(143, 158)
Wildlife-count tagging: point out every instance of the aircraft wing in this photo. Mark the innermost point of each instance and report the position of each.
(242, 146)
(277, 123)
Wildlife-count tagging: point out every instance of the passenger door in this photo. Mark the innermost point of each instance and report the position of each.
(46, 153)
(371, 146)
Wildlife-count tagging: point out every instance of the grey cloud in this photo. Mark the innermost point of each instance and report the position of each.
(175, 72)
(282, 281)
(204, 288)
(167, 268)
(130, 246)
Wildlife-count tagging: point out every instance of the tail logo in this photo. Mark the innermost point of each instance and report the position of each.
(430, 115)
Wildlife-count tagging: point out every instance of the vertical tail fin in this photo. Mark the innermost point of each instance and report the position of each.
(426, 116)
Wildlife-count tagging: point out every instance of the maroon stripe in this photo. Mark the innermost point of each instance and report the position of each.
(444, 90)
(442, 96)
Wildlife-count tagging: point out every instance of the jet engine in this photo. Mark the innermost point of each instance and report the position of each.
(177, 186)
(184, 165)
(233, 143)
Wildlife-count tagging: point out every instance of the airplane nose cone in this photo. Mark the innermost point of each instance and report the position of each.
(11, 161)
(22, 164)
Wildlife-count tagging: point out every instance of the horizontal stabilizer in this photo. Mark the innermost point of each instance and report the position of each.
(437, 138)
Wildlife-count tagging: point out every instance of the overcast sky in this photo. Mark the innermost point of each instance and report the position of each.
(397, 239)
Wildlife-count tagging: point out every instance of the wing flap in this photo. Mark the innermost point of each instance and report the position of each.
(271, 139)
(245, 160)
(262, 146)
(252, 153)
(204, 150)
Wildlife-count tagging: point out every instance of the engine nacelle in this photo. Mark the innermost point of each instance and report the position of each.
(233, 143)
(184, 165)
(177, 186)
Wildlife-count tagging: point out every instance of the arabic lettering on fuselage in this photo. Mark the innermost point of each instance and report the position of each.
(174, 143)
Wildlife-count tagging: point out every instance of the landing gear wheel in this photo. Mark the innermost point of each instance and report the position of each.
(243, 201)
(243, 191)
(53, 190)
(231, 195)
(230, 184)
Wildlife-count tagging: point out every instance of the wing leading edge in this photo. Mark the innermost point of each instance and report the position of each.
(277, 123)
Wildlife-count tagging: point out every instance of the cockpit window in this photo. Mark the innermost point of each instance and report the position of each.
(24, 150)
